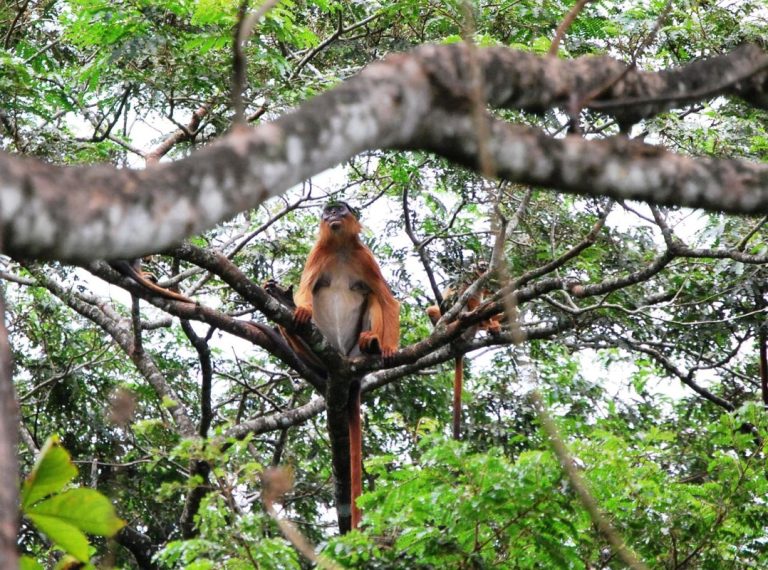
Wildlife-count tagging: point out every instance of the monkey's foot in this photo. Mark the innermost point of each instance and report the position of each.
(387, 354)
(369, 343)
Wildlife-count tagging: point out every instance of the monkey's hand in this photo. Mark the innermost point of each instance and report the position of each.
(302, 315)
(434, 314)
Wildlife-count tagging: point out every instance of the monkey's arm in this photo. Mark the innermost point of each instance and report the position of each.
(297, 344)
(384, 310)
(127, 268)
(303, 296)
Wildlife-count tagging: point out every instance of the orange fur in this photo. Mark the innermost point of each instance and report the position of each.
(340, 262)
(339, 247)
(492, 325)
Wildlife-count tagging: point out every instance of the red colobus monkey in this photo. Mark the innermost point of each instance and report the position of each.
(492, 325)
(343, 291)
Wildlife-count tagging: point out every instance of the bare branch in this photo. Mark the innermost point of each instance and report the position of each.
(183, 134)
(337, 33)
(751, 233)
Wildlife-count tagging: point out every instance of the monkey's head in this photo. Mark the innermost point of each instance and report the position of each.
(481, 266)
(340, 218)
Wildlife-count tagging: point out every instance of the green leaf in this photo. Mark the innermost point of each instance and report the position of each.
(29, 563)
(53, 470)
(64, 534)
(85, 509)
(541, 45)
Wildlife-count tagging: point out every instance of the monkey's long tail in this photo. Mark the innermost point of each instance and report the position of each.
(458, 381)
(345, 432)
(355, 450)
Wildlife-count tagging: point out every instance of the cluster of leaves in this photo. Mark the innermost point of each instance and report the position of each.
(64, 514)
(683, 482)
(456, 508)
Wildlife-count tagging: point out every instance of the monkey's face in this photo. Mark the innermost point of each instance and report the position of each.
(481, 267)
(335, 215)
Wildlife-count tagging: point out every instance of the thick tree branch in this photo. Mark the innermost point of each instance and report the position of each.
(337, 419)
(140, 545)
(617, 167)
(255, 333)
(419, 100)
(185, 133)
(298, 416)
(277, 420)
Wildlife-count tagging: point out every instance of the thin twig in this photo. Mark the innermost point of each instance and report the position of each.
(337, 33)
(565, 24)
(422, 253)
(12, 27)
(41, 51)
(245, 25)
(745, 240)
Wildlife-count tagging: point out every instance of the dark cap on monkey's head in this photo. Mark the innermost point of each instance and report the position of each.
(335, 203)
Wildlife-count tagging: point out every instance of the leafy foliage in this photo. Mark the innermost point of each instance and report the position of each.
(645, 324)
(65, 515)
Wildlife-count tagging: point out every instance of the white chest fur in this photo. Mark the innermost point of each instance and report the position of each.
(339, 303)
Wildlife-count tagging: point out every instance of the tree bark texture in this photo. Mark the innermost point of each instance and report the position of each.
(419, 100)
